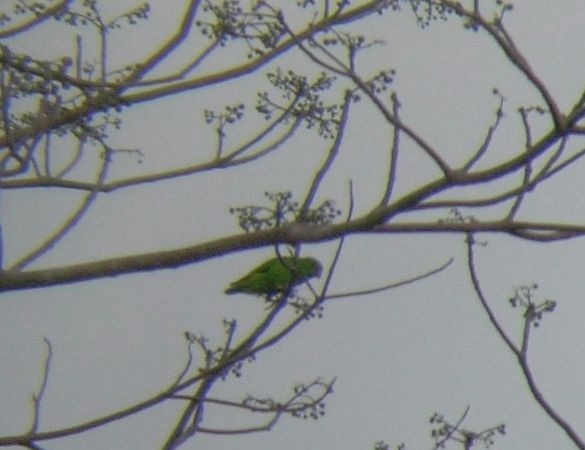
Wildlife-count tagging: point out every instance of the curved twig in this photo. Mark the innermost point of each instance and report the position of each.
(38, 397)
(391, 285)
(521, 353)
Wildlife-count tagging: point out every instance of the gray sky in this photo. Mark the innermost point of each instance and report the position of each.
(398, 356)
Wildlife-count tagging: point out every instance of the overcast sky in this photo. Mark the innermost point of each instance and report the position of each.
(399, 355)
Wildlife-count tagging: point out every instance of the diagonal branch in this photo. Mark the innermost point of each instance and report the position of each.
(93, 105)
(345, 70)
(70, 223)
(521, 353)
(49, 12)
(333, 152)
(391, 285)
(238, 156)
(497, 31)
(393, 163)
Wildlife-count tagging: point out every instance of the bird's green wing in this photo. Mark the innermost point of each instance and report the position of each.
(276, 275)
(259, 280)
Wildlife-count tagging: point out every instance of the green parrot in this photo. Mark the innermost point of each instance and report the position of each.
(275, 275)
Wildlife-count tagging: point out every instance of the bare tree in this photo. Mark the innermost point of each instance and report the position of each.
(59, 116)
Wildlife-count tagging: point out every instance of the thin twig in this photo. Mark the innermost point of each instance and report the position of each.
(452, 430)
(483, 148)
(234, 158)
(391, 285)
(504, 40)
(321, 298)
(392, 169)
(38, 397)
(70, 223)
(333, 152)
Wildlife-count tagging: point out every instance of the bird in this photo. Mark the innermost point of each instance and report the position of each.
(276, 276)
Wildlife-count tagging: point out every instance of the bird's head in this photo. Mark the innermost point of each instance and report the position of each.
(311, 267)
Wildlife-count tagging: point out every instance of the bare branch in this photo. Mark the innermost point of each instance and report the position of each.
(287, 234)
(521, 352)
(393, 163)
(39, 18)
(481, 151)
(452, 430)
(38, 397)
(333, 152)
(93, 105)
(71, 221)
(497, 31)
(345, 70)
(241, 155)
(172, 44)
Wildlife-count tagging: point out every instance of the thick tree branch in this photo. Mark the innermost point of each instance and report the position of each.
(289, 234)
